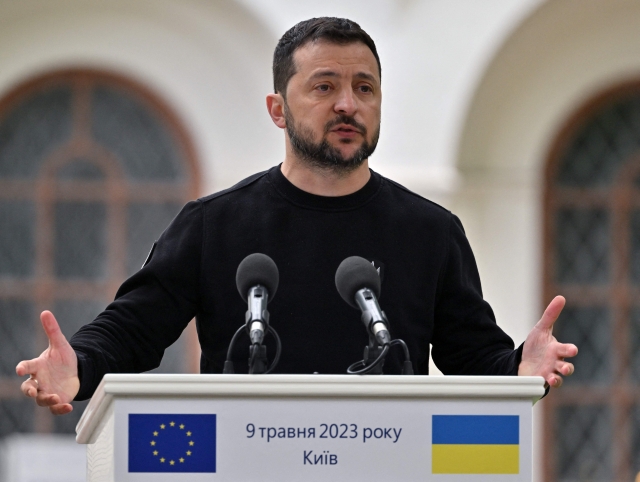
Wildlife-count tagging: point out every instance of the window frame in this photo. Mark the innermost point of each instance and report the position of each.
(42, 289)
(620, 198)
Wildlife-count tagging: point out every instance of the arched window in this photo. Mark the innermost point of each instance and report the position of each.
(592, 256)
(92, 168)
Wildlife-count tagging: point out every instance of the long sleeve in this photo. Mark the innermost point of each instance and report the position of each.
(466, 339)
(150, 310)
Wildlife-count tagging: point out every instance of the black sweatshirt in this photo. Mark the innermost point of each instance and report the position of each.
(430, 285)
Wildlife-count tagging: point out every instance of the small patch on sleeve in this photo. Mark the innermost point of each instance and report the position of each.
(146, 261)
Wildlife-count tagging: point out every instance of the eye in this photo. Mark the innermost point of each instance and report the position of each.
(323, 87)
(365, 89)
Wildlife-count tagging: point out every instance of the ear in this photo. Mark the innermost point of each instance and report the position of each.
(275, 106)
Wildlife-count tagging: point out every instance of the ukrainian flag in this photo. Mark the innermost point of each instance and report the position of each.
(475, 444)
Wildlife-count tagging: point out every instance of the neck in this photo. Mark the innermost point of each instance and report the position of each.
(323, 182)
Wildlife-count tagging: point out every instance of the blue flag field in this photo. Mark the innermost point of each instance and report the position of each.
(172, 443)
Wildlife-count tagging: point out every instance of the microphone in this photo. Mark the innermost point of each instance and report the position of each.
(257, 281)
(358, 283)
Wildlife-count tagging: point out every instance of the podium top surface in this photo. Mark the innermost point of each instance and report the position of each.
(302, 387)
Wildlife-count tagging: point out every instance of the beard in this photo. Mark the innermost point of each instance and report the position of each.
(322, 155)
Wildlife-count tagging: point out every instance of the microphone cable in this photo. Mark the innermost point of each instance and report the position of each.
(228, 364)
(361, 368)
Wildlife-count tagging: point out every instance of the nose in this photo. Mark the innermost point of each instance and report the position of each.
(346, 103)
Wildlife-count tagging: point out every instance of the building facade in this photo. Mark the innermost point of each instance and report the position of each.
(522, 117)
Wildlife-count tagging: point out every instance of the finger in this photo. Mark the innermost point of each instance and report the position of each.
(564, 368)
(566, 350)
(47, 399)
(52, 329)
(554, 380)
(27, 367)
(552, 312)
(61, 409)
(29, 388)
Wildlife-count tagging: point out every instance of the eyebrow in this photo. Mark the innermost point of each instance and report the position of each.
(331, 73)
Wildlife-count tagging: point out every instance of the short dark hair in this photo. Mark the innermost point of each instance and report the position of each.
(337, 30)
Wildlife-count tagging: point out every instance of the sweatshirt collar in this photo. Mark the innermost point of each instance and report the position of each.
(326, 203)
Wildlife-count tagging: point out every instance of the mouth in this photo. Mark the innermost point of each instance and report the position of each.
(345, 130)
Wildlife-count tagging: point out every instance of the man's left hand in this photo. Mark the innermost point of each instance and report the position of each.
(542, 354)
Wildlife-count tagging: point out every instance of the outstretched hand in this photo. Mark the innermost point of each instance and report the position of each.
(542, 354)
(53, 378)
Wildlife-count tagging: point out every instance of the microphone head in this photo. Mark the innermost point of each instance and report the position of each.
(257, 269)
(353, 274)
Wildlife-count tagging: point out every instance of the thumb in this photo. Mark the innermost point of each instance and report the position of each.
(52, 329)
(551, 314)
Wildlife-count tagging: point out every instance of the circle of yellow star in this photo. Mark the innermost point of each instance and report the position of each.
(172, 423)
(153, 442)
(188, 434)
(155, 452)
(181, 460)
(181, 426)
(155, 434)
(172, 462)
(162, 460)
(191, 443)
(162, 426)
(188, 452)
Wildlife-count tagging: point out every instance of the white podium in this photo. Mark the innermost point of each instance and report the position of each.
(309, 428)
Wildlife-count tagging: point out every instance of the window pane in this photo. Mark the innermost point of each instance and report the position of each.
(80, 240)
(17, 323)
(72, 314)
(16, 416)
(634, 345)
(584, 435)
(17, 240)
(32, 130)
(635, 439)
(590, 330)
(634, 244)
(146, 222)
(129, 129)
(602, 145)
(583, 246)
(67, 423)
(80, 169)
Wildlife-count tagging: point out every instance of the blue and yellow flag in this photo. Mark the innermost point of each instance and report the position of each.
(172, 443)
(475, 444)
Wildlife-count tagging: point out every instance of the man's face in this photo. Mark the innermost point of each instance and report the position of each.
(332, 107)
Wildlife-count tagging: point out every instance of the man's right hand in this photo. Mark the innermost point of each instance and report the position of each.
(54, 378)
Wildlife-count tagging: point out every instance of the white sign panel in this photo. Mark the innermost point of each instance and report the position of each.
(322, 440)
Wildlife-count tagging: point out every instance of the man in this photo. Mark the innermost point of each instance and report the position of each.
(321, 205)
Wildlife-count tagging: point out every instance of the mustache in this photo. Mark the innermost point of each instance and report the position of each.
(347, 120)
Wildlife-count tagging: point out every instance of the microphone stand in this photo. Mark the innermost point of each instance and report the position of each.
(371, 353)
(257, 351)
(257, 359)
(258, 362)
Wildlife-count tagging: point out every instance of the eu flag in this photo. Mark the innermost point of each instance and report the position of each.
(172, 443)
